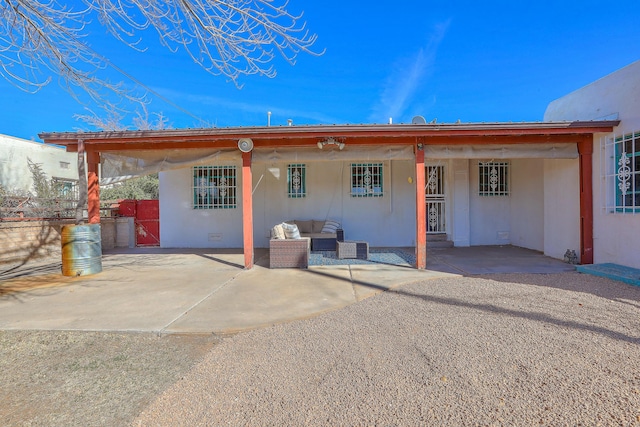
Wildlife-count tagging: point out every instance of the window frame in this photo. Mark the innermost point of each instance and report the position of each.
(301, 170)
(366, 178)
(494, 178)
(627, 172)
(214, 187)
(66, 188)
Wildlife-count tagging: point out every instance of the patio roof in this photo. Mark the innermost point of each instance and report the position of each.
(538, 134)
(299, 136)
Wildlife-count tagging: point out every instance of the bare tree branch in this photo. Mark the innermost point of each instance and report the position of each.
(39, 40)
(111, 122)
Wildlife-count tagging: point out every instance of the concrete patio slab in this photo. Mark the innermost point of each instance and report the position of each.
(477, 260)
(128, 296)
(261, 297)
(208, 291)
(369, 280)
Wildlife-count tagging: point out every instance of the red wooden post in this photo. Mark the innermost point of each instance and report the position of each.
(585, 150)
(247, 210)
(93, 186)
(421, 209)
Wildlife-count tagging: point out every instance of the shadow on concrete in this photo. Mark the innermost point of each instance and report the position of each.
(478, 260)
(23, 270)
(221, 261)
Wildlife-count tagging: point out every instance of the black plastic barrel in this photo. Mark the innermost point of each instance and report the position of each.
(81, 250)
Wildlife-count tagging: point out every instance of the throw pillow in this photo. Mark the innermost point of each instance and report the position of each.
(330, 226)
(291, 231)
(277, 232)
(317, 226)
(305, 226)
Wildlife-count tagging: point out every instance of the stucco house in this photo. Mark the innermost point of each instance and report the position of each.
(56, 163)
(616, 161)
(390, 185)
(531, 184)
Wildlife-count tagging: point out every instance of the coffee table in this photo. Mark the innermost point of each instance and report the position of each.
(356, 249)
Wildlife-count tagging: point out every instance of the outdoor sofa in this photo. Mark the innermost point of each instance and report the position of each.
(292, 241)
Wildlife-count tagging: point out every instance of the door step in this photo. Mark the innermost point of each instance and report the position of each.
(438, 241)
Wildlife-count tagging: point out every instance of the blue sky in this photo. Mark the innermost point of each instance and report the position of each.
(473, 61)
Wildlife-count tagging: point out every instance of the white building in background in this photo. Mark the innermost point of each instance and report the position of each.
(616, 162)
(56, 163)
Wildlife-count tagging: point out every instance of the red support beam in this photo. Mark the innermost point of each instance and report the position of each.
(421, 209)
(247, 210)
(93, 186)
(310, 141)
(585, 150)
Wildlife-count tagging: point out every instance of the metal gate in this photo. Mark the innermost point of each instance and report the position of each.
(147, 223)
(146, 214)
(435, 200)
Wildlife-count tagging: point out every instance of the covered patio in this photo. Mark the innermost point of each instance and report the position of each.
(167, 150)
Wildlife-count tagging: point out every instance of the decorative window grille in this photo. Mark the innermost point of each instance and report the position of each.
(493, 179)
(366, 180)
(297, 180)
(66, 188)
(435, 199)
(622, 172)
(214, 187)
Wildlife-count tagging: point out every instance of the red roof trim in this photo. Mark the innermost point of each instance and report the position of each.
(302, 135)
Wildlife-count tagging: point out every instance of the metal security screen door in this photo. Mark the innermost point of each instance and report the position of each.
(435, 199)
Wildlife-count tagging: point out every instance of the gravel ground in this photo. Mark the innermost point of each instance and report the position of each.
(53, 378)
(556, 350)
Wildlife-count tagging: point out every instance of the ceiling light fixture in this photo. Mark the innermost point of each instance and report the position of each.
(331, 141)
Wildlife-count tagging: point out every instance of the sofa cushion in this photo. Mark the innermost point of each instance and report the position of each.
(317, 226)
(291, 231)
(330, 226)
(305, 226)
(277, 232)
(321, 235)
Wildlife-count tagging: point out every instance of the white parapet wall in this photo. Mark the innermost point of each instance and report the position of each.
(15, 153)
(616, 96)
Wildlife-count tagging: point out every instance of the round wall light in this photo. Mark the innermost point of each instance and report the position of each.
(245, 144)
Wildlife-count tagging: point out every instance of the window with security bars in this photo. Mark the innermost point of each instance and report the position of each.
(493, 179)
(297, 181)
(366, 180)
(623, 177)
(214, 187)
(66, 188)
